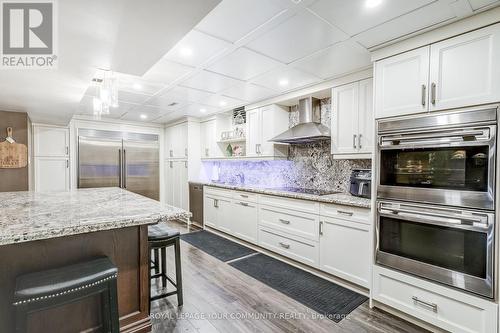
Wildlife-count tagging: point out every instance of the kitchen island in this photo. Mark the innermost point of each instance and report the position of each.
(40, 231)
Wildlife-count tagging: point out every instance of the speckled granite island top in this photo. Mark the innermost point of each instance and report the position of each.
(29, 216)
(336, 198)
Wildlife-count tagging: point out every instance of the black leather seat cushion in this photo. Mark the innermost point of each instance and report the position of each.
(160, 232)
(57, 280)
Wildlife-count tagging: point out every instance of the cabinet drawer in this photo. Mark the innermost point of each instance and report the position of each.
(305, 252)
(296, 223)
(446, 308)
(362, 215)
(245, 196)
(217, 191)
(293, 204)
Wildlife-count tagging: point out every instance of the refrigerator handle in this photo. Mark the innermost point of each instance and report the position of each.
(124, 178)
(120, 176)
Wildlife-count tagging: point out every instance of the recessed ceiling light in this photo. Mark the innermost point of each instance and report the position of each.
(203, 110)
(283, 82)
(137, 86)
(372, 3)
(222, 103)
(186, 52)
(143, 116)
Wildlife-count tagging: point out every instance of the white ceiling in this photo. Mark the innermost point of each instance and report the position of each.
(241, 52)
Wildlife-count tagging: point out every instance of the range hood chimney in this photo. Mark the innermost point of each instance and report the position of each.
(309, 128)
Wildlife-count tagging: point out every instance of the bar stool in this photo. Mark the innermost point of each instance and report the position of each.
(160, 237)
(51, 288)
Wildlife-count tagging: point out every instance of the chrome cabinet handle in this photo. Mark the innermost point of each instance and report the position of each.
(433, 93)
(260, 151)
(256, 148)
(185, 152)
(359, 141)
(120, 171)
(185, 164)
(433, 306)
(171, 153)
(321, 228)
(354, 141)
(67, 164)
(343, 212)
(285, 246)
(171, 164)
(244, 204)
(243, 195)
(284, 221)
(67, 150)
(206, 152)
(424, 89)
(216, 203)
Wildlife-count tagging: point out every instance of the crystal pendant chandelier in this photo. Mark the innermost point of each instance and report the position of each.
(106, 93)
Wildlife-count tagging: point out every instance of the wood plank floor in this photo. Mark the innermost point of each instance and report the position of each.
(219, 298)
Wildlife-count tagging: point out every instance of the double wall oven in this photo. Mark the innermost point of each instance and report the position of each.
(436, 197)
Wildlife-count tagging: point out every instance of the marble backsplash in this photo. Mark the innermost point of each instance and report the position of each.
(309, 165)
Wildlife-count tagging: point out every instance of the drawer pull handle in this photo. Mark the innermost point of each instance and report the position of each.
(433, 306)
(284, 221)
(321, 228)
(243, 195)
(344, 212)
(285, 246)
(244, 204)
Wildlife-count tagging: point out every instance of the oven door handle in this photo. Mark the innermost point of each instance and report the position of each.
(451, 136)
(478, 222)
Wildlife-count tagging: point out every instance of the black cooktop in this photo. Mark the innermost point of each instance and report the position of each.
(304, 190)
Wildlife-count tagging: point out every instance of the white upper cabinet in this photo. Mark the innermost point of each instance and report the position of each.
(51, 174)
(401, 83)
(262, 125)
(352, 120)
(51, 141)
(208, 137)
(465, 70)
(177, 141)
(457, 72)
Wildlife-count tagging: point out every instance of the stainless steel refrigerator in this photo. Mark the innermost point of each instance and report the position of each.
(119, 159)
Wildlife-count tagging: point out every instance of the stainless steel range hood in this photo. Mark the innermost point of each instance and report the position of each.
(309, 128)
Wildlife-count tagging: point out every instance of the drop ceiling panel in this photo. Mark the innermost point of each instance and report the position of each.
(209, 81)
(166, 103)
(86, 107)
(354, 16)
(285, 79)
(248, 92)
(244, 64)
(196, 48)
(186, 94)
(341, 58)
(149, 112)
(126, 96)
(233, 19)
(219, 101)
(134, 84)
(199, 110)
(297, 37)
(166, 72)
(478, 4)
(415, 21)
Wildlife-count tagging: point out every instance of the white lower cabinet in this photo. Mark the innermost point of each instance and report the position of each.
(345, 250)
(51, 174)
(443, 307)
(244, 220)
(217, 212)
(177, 187)
(292, 247)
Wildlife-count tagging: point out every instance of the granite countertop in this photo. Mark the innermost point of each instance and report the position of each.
(28, 216)
(337, 198)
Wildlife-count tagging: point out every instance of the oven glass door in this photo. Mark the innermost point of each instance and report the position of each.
(442, 244)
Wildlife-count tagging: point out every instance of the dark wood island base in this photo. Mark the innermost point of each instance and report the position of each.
(128, 250)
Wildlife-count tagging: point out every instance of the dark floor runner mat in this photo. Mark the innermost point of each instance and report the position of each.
(217, 246)
(325, 297)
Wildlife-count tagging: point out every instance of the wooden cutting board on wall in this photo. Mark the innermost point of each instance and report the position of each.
(12, 155)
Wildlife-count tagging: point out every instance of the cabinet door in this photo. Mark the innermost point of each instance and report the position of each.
(365, 116)
(344, 237)
(274, 120)
(245, 225)
(183, 185)
(169, 180)
(345, 119)
(465, 70)
(208, 137)
(169, 141)
(51, 174)
(401, 84)
(51, 141)
(225, 216)
(180, 141)
(210, 211)
(253, 132)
